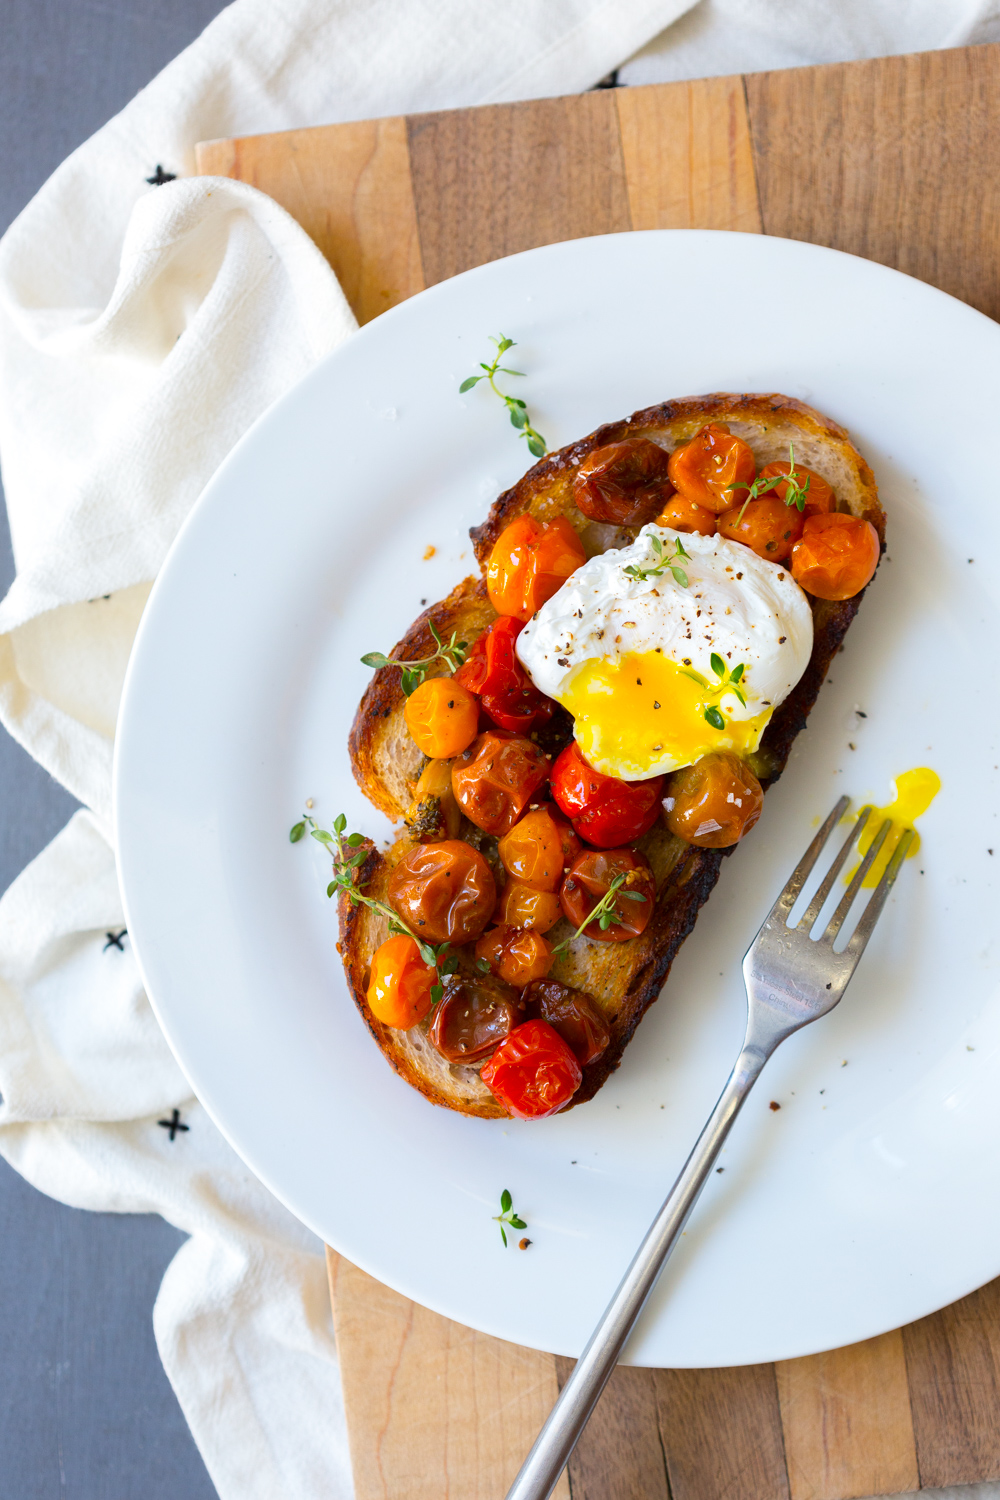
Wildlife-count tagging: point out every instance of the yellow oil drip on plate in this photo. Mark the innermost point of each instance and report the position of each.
(914, 792)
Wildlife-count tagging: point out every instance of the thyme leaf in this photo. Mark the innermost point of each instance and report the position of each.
(666, 562)
(516, 408)
(507, 1216)
(452, 653)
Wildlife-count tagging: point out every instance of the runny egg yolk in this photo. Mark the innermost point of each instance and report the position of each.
(642, 715)
(914, 792)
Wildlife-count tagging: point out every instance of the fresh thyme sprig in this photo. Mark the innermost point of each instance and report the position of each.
(604, 913)
(728, 683)
(666, 562)
(507, 1216)
(794, 495)
(348, 858)
(515, 406)
(453, 655)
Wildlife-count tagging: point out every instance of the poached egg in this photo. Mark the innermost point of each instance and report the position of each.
(658, 672)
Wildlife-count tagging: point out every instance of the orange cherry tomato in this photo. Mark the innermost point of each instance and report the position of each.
(819, 496)
(767, 526)
(523, 906)
(714, 802)
(538, 848)
(706, 469)
(399, 990)
(518, 955)
(623, 483)
(683, 514)
(442, 717)
(529, 563)
(576, 1016)
(534, 1072)
(836, 557)
(496, 777)
(590, 878)
(444, 892)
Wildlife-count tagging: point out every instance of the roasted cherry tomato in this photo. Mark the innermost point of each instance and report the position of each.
(603, 810)
(516, 954)
(819, 497)
(714, 802)
(443, 892)
(533, 1073)
(592, 875)
(529, 562)
(524, 906)
(706, 469)
(682, 514)
(625, 483)
(475, 1016)
(574, 1014)
(496, 778)
(399, 990)
(836, 556)
(433, 814)
(538, 849)
(767, 526)
(493, 671)
(442, 717)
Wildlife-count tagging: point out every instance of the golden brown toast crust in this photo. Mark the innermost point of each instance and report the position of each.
(624, 978)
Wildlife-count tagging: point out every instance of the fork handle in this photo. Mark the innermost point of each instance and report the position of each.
(540, 1471)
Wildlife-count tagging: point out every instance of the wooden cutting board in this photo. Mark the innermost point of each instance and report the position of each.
(894, 159)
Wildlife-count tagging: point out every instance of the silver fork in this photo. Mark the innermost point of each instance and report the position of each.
(791, 979)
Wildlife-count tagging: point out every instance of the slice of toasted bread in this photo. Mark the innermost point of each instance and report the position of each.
(624, 978)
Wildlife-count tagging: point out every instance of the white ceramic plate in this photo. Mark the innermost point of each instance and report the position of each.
(871, 1197)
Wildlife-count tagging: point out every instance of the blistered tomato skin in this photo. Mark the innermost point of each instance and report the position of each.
(533, 1073)
(714, 469)
(444, 892)
(602, 809)
(576, 1016)
(529, 563)
(767, 526)
(715, 802)
(523, 906)
(623, 483)
(442, 717)
(819, 496)
(399, 990)
(516, 954)
(836, 556)
(496, 778)
(681, 514)
(535, 851)
(474, 1017)
(590, 878)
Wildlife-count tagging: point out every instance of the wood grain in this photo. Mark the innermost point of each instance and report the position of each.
(433, 1409)
(349, 187)
(687, 156)
(953, 1370)
(490, 182)
(721, 1432)
(619, 1456)
(889, 159)
(846, 1421)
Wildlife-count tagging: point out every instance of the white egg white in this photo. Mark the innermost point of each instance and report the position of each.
(735, 604)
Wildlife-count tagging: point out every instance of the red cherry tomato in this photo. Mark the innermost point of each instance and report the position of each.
(836, 557)
(492, 671)
(529, 563)
(623, 483)
(819, 496)
(706, 469)
(591, 877)
(603, 810)
(533, 1073)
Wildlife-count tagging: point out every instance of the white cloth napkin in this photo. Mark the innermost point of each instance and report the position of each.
(142, 330)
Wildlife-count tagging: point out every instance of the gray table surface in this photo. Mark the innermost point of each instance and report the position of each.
(85, 1408)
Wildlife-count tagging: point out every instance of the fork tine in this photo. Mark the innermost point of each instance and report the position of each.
(802, 870)
(872, 912)
(808, 920)
(836, 922)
